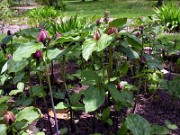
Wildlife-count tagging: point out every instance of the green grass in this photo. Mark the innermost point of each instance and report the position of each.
(117, 8)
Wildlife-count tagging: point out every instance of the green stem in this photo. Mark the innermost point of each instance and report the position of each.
(51, 96)
(102, 61)
(110, 63)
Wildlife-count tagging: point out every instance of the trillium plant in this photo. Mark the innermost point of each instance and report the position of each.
(111, 64)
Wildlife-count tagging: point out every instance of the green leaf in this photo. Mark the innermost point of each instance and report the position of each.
(61, 105)
(170, 125)
(93, 98)
(87, 48)
(20, 86)
(15, 92)
(159, 130)
(6, 40)
(3, 129)
(26, 50)
(134, 41)
(21, 124)
(109, 121)
(119, 22)
(124, 69)
(41, 133)
(16, 66)
(19, 76)
(3, 107)
(106, 113)
(1, 92)
(53, 53)
(152, 62)
(4, 68)
(29, 33)
(138, 125)
(4, 99)
(37, 91)
(65, 39)
(89, 77)
(29, 113)
(104, 42)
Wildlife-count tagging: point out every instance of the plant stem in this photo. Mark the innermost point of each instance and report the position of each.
(102, 61)
(110, 69)
(51, 96)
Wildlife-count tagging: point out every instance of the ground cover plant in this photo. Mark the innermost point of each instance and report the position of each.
(88, 75)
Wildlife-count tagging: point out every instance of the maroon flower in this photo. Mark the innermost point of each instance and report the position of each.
(98, 22)
(97, 35)
(9, 33)
(112, 30)
(9, 56)
(106, 16)
(121, 85)
(57, 35)
(42, 36)
(8, 117)
(38, 55)
(137, 34)
(141, 28)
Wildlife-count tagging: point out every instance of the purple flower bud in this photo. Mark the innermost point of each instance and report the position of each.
(57, 35)
(98, 22)
(97, 35)
(137, 34)
(112, 30)
(121, 85)
(143, 59)
(9, 33)
(38, 55)
(9, 56)
(141, 28)
(42, 36)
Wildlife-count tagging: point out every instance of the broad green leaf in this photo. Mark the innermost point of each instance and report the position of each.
(61, 105)
(104, 42)
(6, 40)
(37, 91)
(53, 53)
(87, 48)
(109, 121)
(119, 22)
(114, 91)
(134, 41)
(3, 129)
(124, 69)
(1, 92)
(21, 124)
(65, 39)
(129, 52)
(93, 98)
(26, 50)
(20, 86)
(89, 77)
(29, 113)
(4, 99)
(18, 77)
(29, 33)
(138, 125)
(16, 66)
(159, 130)
(152, 62)
(15, 92)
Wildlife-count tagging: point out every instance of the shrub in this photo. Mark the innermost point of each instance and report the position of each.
(169, 16)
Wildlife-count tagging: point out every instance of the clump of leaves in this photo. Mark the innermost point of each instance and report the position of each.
(169, 16)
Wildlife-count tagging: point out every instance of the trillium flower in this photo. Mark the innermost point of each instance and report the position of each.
(112, 30)
(38, 55)
(9, 33)
(97, 35)
(9, 56)
(42, 36)
(98, 22)
(8, 117)
(121, 85)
